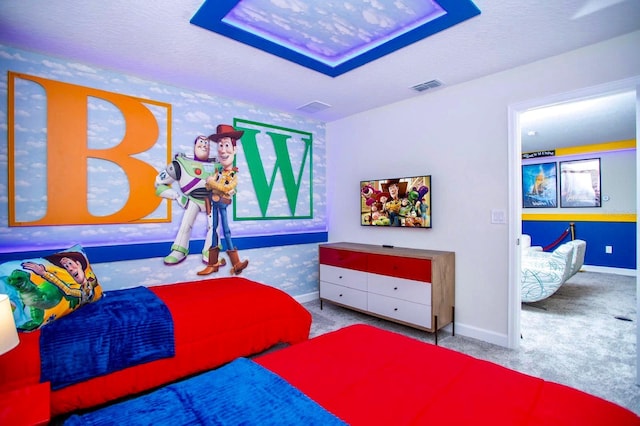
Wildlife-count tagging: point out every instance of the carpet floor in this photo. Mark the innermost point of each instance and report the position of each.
(583, 336)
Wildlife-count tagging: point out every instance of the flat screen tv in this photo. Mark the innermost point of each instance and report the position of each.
(402, 202)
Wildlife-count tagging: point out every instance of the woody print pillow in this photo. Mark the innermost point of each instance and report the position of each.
(44, 289)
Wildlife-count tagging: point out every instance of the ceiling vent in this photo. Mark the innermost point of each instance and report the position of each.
(314, 106)
(432, 84)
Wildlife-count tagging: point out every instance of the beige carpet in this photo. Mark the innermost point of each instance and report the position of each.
(579, 337)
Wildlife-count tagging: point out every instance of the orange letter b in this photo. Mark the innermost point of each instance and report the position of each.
(68, 154)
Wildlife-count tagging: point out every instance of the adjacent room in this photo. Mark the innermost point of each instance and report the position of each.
(277, 211)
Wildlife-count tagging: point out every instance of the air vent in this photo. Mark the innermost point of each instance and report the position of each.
(314, 106)
(432, 84)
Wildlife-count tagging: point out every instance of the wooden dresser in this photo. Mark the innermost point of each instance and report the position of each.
(409, 286)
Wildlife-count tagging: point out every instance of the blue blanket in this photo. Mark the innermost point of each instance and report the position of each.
(124, 328)
(240, 393)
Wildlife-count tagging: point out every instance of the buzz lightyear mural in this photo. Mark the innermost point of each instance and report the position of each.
(205, 185)
(190, 173)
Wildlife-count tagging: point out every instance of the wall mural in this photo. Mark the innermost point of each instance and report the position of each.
(190, 174)
(85, 154)
(222, 186)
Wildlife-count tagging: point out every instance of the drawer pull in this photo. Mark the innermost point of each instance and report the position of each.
(340, 295)
(395, 309)
(340, 277)
(395, 288)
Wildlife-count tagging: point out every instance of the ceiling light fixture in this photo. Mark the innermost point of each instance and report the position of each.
(331, 37)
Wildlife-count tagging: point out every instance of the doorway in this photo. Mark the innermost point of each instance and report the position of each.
(515, 205)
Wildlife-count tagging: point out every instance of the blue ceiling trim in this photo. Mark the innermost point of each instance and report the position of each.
(212, 12)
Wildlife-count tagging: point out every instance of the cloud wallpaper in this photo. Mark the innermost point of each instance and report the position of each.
(331, 31)
(181, 115)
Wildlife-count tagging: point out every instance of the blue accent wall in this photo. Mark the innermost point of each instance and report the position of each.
(620, 235)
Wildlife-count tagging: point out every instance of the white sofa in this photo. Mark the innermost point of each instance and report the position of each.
(544, 272)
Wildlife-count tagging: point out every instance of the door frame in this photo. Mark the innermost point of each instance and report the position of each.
(515, 194)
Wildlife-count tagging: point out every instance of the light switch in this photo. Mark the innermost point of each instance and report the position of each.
(498, 216)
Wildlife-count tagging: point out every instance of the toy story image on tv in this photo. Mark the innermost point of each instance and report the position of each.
(401, 202)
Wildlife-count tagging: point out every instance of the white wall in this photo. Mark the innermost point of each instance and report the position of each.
(459, 135)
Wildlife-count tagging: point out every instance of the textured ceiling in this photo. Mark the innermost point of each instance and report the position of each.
(607, 118)
(155, 40)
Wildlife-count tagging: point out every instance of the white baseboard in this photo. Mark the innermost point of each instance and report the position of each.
(303, 298)
(481, 334)
(609, 270)
(461, 329)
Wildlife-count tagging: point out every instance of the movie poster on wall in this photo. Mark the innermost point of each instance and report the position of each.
(539, 185)
(401, 202)
(580, 183)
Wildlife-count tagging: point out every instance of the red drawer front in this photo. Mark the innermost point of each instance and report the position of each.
(343, 258)
(401, 267)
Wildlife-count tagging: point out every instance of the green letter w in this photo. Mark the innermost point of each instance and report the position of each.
(263, 184)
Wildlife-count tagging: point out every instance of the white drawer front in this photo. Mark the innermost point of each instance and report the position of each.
(403, 310)
(400, 288)
(344, 295)
(344, 277)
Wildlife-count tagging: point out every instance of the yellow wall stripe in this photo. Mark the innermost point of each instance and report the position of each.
(588, 217)
(600, 147)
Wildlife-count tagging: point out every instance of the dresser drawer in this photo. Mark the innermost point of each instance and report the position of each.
(401, 267)
(344, 277)
(344, 295)
(343, 258)
(413, 291)
(401, 310)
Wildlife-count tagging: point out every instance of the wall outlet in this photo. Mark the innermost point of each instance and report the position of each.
(608, 249)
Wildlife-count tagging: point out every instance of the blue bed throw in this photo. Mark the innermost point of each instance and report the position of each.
(240, 393)
(125, 328)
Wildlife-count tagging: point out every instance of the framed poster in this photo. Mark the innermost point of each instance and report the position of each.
(580, 183)
(539, 185)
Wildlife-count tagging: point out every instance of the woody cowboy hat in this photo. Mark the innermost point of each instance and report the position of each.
(226, 131)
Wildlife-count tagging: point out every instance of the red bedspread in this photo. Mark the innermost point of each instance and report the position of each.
(368, 376)
(215, 321)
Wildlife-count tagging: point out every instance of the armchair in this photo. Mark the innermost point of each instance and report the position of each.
(544, 272)
(580, 248)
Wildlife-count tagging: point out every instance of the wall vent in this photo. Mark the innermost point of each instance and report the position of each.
(314, 106)
(432, 84)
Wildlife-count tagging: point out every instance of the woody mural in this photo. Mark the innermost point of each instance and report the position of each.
(223, 186)
(204, 186)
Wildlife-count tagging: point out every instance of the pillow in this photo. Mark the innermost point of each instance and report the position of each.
(44, 289)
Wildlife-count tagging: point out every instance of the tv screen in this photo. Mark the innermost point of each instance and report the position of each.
(402, 202)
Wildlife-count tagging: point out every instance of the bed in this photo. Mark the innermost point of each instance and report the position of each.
(214, 321)
(362, 375)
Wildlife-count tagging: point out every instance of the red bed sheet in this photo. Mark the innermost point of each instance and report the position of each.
(368, 376)
(215, 321)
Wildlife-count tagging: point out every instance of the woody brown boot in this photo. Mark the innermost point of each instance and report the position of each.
(213, 264)
(236, 265)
